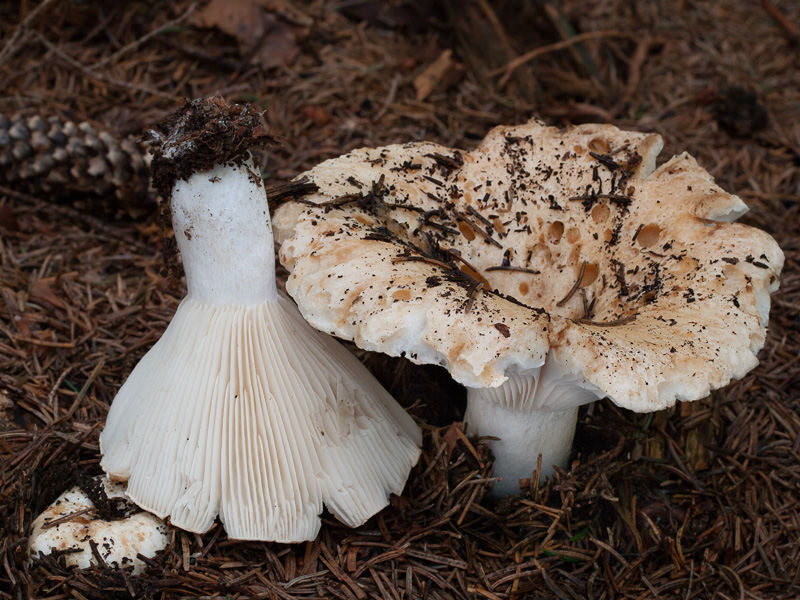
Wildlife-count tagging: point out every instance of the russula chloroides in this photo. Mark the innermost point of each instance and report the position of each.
(544, 269)
(242, 409)
(73, 524)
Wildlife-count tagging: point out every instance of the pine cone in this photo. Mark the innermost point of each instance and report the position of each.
(74, 163)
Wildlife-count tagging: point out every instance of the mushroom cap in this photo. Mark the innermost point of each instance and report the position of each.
(564, 241)
(118, 541)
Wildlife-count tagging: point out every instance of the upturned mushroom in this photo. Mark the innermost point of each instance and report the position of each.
(242, 409)
(546, 268)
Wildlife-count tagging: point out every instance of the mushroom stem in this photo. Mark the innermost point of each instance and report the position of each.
(242, 409)
(530, 414)
(222, 226)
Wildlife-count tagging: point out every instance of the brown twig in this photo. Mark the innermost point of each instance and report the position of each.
(107, 229)
(11, 44)
(66, 518)
(463, 260)
(340, 201)
(96, 553)
(145, 38)
(636, 62)
(497, 27)
(82, 393)
(472, 292)
(471, 210)
(508, 70)
(574, 287)
(790, 30)
(99, 76)
(619, 198)
(208, 58)
(294, 189)
(516, 269)
(440, 227)
(614, 323)
(480, 231)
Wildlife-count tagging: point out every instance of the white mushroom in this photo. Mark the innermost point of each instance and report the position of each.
(72, 525)
(544, 269)
(241, 409)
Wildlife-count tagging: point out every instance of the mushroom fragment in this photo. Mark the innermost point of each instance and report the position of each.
(544, 269)
(72, 525)
(242, 409)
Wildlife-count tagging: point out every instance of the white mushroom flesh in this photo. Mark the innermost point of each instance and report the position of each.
(531, 413)
(118, 542)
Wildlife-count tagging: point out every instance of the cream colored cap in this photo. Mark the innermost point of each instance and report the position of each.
(563, 240)
(118, 542)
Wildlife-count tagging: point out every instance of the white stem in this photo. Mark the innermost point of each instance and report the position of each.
(242, 409)
(222, 226)
(523, 435)
(531, 414)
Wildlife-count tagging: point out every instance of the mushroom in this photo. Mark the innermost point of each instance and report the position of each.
(72, 525)
(241, 408)
(546, 268)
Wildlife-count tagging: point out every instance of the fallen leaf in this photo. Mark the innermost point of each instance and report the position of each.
(267, 31)
(280, 47)
(238, 18)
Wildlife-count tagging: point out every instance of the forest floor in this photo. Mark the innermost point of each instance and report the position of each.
(698, 501)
